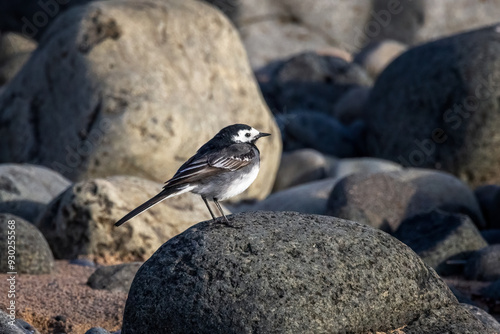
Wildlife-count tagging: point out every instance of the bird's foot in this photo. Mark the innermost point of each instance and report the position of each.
(225, 221)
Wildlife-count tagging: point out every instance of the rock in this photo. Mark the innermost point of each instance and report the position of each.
(438, 237)
(488, 198)
(400, 195)
(364, 166)
(444, 114)
(288, 272)
(483, 316)
(305, 198)
(25, 190)
(274, 29)
(26, 327)
(448, 17)
(32, 253)
(492, 291)
(302, 166)
(350, 107)
(155, 80)
(114, 278)
(491, 236)
(33, 17)
(375, 57)
(97, 330)
(308, 129)
(9, 325)
(309, 81)
(15, 50)
(484, 264)
(79, 223)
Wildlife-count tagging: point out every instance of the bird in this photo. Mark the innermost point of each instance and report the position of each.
(222, 168)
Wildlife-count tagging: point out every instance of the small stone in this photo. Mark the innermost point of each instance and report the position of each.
(484, 265)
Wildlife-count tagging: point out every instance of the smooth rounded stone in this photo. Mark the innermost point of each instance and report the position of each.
(351, 106)
(97, 330)
(365, 166)
(383, 200)
(32, 252)
(25, 190)
(375, 57)
(488, 198)
(491, 236)
(483, 316)
(440, 238)
(436, 106)
(302, 166)
(114, 278)
(15, 50)
(447, 17)
(492, 291)
(272, 29)
(26, 327)
(161, 72)
(484, 265)
(287, 272)
(309, 81)
(305, 198)
(309, 129)
(80, 222)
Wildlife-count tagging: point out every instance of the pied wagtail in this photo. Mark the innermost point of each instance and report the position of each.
(222, 168)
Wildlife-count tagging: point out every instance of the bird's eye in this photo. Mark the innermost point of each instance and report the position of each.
(247, 134)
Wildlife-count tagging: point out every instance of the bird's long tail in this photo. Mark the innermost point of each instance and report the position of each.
(164, 194)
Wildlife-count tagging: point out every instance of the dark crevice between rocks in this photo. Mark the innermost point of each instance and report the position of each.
(34, 120)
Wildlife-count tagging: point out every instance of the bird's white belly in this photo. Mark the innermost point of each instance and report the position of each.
(240, 185)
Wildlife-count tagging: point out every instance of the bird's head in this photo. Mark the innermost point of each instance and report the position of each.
(241, 133)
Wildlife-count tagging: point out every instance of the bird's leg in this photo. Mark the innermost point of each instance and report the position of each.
(220, 209)
(208, 206)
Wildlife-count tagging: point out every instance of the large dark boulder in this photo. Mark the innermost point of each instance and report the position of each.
(436, 106)
(289, 273)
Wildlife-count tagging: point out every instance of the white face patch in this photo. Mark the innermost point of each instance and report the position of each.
(245, 136)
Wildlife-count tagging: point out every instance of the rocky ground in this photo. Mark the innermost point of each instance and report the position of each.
(377, 206)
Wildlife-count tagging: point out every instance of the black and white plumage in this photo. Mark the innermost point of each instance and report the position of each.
(222, 168)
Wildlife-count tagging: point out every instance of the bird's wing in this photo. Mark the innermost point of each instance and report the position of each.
(198, 167)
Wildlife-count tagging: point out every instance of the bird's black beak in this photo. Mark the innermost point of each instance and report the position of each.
(262, 134)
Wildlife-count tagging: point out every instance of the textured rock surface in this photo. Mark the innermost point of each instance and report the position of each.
(385, 199)
(438, 236)
(437, 106)
(114, 278)
(80, 221)
(25, 190)
(484, 264)
(160, 71)
(32, 252)
(484, 316)
(488, 198)
(6, 327)
(286, 272)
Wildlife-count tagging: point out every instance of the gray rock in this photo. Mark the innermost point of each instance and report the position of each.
(26, 327)
(302, 166)
(25, 190)
(483, 316)
(97, 330)
(484, 264)
(492, 291)
(309, 129)
(491, 236)
(383, 200)
(488, 198)
(32, 252)
(80, 221)
(129, 117)
(364, 166)
(8, 324)
(351, 106)
(309, 81)
(288, 272)
(114, 278)
(436, 106)
(15, 50)
(438, 237)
